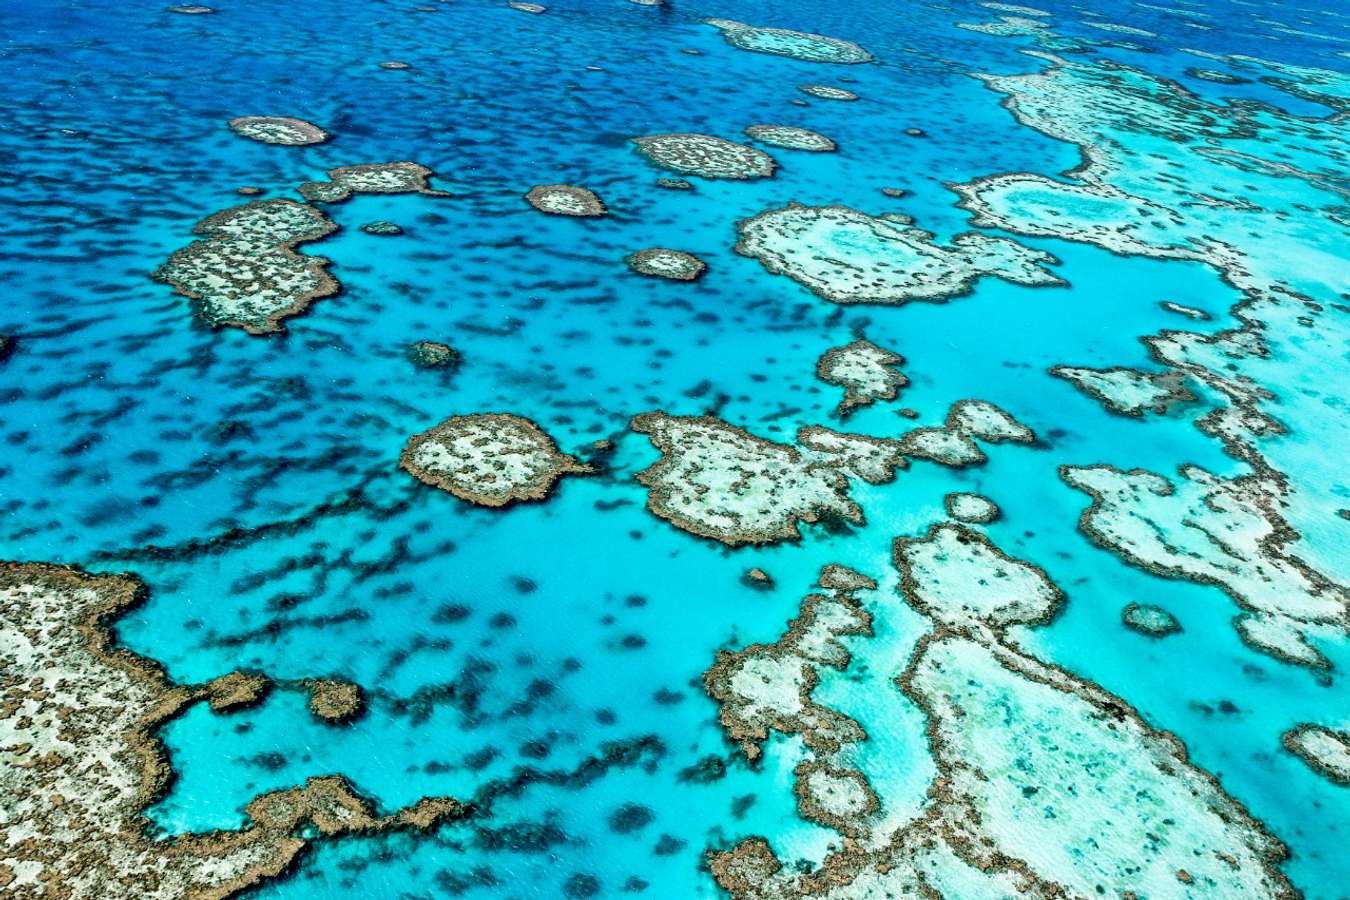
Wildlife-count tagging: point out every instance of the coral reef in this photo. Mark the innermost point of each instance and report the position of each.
(371, 178)
(827, 92)
(80, 760)
(1224, 532)
(433, 355)
(866, 372)
(1150, 620)
(847, 256)
(973, 509)
(1326, 752)
(661, 262)
(705, 156)
(1047, 786)
(565, 200)
(1129, 392)
(278, 130)
(492, 459)
(953, 444)
(718, 481)
(768, 687)
(799, 45)
(245, 272)
(791, 138)
(334, 700)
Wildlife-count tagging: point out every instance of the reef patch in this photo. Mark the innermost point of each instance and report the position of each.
(566, 200)
(492, 459)
(1129, 392)
(768, 687)
(245, 272)
(371, 178)
(791, 138)
(827, 92)
(847, 256)
(335, 700)
(953, 444)
(1327, 752)
(719, 481)
(1150, 620)
(1224, 532)
(661, 262)
(1047, 786)
(866, 372)
(705, 156)
(799, 45)
(81, 761)
(972, 509)
(281, 130)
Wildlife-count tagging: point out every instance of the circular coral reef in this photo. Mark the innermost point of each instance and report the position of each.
(492, 459)
(663, 263)
(791, 138)
(1150, 620)
(433, 355)
(827, 92)
(565, 200)
(282, 130)
(706, 156)
(800, 45)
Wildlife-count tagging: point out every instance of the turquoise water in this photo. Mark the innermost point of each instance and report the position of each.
(252, 482)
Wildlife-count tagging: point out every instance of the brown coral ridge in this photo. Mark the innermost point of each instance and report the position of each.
(811, 641)
(245, 272)
(83, 760)
(492, 459)
(971, 835)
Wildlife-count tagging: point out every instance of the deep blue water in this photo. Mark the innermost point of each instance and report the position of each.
(126, 424)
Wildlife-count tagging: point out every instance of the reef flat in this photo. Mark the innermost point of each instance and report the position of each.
(866, 372)
(1010, 736)
(706, 156)
(847, 256)
(804, 46)
(246, 272)
(492, 459)
(278, 130)
(82, 761)
(891, 573)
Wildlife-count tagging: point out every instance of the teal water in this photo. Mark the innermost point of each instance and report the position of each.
(252, 482)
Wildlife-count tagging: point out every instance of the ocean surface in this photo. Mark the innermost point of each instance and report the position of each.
(544, 661)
